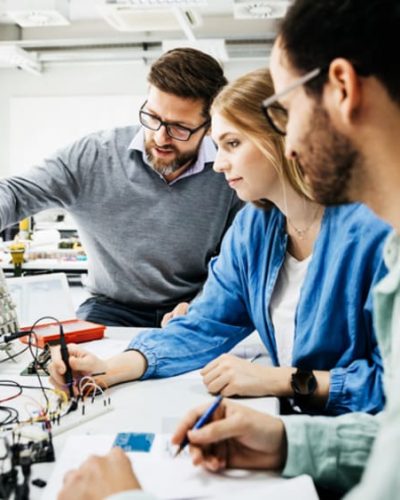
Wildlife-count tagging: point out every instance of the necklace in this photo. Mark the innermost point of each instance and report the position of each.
(302, 233)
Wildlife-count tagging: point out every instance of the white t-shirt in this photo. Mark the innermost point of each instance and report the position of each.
(283, 305)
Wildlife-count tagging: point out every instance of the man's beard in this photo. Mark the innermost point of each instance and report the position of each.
(164, 167)
(329, 160)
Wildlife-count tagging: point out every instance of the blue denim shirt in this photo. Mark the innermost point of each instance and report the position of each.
(333, 323)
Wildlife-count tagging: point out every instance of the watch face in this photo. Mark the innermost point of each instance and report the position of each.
(304, 382)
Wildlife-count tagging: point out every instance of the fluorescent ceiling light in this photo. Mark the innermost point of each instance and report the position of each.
(38, 13)
(215, 47)
(263, 9)
(15, 57)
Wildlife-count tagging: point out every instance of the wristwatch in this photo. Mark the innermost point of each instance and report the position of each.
(304, 384)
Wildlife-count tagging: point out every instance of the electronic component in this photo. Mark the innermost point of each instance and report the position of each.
(79, 417)
(40, 483)
(39, 365)
(37, 452)
(20, 456)
(8, 483)
(26, 435)
(8, 312)
(134, 442)
(17, 251)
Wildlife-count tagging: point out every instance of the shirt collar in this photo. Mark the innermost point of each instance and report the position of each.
(391, 251)
(137, 143)
(207, 154)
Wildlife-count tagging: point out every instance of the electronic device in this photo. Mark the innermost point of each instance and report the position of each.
(41, 295)
(18, 457)
(44, 295)
(75, 330)
(8, 311)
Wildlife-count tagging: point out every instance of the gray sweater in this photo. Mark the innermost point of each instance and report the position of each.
(147, 242)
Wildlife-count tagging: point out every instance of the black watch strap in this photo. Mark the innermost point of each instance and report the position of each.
(304, 384)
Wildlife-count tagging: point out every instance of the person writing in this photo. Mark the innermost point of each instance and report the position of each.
(149, 208)
(237, 437)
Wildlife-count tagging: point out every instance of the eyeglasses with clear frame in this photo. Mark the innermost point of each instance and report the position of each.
(276, 114)
(178, 132)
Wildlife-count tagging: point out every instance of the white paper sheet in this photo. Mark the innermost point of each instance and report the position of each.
(177, 478)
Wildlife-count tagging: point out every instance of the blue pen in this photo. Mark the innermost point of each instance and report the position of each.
(202, 421)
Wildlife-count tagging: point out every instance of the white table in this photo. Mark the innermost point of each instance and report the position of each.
(147, 406)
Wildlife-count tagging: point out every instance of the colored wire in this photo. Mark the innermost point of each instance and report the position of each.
(13, 356)
(12, 415)
(11, 383)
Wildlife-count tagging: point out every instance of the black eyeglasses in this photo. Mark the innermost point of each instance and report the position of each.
(276, 115)
(178, 132)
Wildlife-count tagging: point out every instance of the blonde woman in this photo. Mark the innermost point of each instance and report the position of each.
(299, 274)
(305, 270)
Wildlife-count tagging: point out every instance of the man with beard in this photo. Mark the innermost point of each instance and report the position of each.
(150, 210)
(338, 103)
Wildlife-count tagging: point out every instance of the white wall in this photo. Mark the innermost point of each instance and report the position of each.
(85, 86)
(45, 124)
(75, 82)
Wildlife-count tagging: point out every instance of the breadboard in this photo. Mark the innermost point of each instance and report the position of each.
(78, 417)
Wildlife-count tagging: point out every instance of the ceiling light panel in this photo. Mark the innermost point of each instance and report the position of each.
(38, 13)
(132, 18)
(264, 9)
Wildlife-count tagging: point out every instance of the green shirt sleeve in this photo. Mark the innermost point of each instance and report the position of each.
(381, 479)
(332, 450)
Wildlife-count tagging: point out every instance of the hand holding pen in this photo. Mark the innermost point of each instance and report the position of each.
(204, 418)
(234, 437)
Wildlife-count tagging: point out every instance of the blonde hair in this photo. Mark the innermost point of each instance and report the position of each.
(240, 104)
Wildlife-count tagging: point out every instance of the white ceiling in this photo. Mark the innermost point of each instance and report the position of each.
(87, 9)
(90, 37)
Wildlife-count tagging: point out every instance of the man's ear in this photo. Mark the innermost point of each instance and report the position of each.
(345, 89)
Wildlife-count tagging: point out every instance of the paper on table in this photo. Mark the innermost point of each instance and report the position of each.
(76, 450)
(298, 488)
(178, 478)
